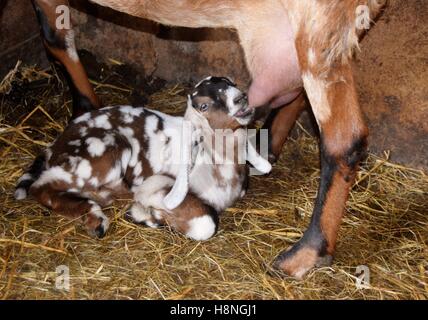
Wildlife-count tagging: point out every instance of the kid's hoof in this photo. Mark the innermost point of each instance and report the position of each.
(100, 232)
(142, 216)
(96, 222)
(272, 158)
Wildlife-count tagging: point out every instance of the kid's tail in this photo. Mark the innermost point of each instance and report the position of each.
(33, 173)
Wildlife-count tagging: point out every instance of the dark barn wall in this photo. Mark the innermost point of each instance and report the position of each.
(175, 54)
(19, 35)
(392, 77)
(391, 68)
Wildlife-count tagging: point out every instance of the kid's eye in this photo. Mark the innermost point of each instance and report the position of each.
(203, 107)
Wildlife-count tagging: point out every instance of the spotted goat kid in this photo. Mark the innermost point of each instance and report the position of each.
(164, 163)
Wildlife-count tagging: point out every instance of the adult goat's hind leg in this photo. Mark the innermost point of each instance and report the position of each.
(58, 39)
(279, 124)
(343, 142)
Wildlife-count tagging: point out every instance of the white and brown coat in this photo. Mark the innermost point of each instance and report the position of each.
(123, 151)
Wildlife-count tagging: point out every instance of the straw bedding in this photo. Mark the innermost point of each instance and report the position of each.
(385, 226)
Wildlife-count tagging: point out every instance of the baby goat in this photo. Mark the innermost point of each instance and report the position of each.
(165, 163)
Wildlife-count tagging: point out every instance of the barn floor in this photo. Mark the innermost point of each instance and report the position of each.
(385, 227)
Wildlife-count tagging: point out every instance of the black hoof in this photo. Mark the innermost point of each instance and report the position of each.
(128, 217)
(272, 158)
(100, 232)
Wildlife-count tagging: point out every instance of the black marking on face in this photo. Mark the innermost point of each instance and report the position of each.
(216, 80)
(210, 93)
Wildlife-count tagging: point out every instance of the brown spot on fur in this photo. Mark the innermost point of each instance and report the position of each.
(191, 207)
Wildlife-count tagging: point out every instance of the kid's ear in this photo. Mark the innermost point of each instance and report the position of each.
(181, 186)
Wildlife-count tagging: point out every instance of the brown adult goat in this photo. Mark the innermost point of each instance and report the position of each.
(289, 45)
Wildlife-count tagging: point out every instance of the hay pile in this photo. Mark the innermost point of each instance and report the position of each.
(385, 227)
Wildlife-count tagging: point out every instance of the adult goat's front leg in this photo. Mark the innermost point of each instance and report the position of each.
(58, 39)
(343, 142)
